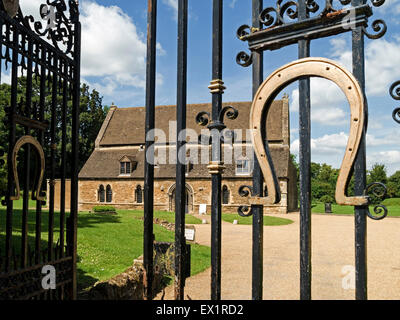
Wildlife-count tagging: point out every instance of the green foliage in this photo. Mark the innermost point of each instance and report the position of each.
(92, 115)
(99, 209)
(327, 199)
(323, 181)
(393, 185)
(391, 202)
(376, 174)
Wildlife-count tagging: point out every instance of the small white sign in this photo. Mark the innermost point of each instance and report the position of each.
(189, 233)
(202, 209)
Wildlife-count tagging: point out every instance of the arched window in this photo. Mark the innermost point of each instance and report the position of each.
(101, 195)
(225, 195)
(139, 194)
(108, 194)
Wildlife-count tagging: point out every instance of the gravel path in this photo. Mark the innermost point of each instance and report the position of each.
(332, 250)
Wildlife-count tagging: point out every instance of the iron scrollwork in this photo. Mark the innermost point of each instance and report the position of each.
(203, 117)
(58, 28)
(245, 210)
(394, 92)
(379, 190)
(285, 12)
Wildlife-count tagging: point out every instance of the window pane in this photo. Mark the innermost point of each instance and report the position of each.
(128, 168)
(122, 171)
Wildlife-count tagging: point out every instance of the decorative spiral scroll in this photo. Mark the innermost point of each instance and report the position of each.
(379, 26)
(379, 190)
(311, 6)
(203, 118)
(244, 59)
(396, 115)
(243, 30)
(377, 3)
(228, 111)
(289, 9)
(394, 92)
(245, 211)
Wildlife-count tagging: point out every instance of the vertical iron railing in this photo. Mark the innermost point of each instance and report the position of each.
(305, 168)
(360, 167)
(73, 219)
(258, 180)
(148, 237)
(180, 191)
(216, 171)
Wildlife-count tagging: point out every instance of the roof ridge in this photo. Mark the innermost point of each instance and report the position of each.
(189, 104)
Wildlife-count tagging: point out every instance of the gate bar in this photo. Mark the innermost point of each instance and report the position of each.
(42, 96)
(27, 167)
(148, 237)
(180, 191)
(360, 213)
(258, 180)
(73, 219)
(216, 177)
(11, 142)
(305, 169)
(53, 147)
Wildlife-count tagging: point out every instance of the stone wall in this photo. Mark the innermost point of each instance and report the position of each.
(57, 194)
(199, 191)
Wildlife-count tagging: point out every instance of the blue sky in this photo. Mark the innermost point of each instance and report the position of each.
(114, 54)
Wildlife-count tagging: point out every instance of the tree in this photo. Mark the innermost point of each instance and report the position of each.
(393, 185)
(376, 174)
(92, 115)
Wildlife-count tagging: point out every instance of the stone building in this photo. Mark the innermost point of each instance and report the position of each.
(114, 173)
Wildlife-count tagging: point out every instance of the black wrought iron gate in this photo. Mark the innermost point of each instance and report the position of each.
(43, 111)
(273, 27)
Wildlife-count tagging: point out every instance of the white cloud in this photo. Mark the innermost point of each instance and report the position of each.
(173, 4)
(390, 158)
(326, 100)
(6, 78)
(232, 4)
(381, 63)
(111, 45)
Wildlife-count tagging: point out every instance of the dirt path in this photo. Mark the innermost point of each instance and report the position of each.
(332, 249)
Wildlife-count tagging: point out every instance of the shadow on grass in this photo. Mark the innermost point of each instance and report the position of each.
(85, 220)
(89, 220)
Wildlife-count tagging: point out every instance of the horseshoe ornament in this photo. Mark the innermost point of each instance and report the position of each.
(308, 67)
(18, 145)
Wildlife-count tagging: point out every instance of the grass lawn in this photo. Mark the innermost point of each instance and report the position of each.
(393, 210)
(268, 220)
(107, 244)
(163, 215)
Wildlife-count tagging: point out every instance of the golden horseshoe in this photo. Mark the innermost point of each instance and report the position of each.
(313, 67)
(18, 145)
